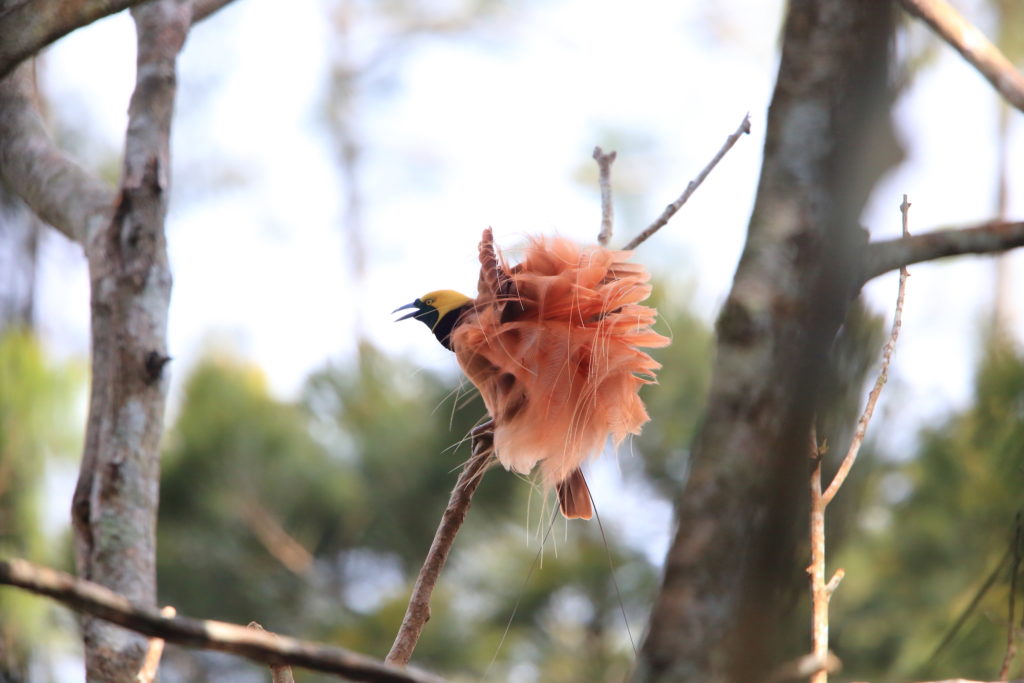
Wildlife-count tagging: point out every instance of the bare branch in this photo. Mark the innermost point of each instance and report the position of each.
(883, 377)
(30, 25)
(992, 237)
(973, 45)
(418, 612)
(56, 188)
(604, 165)
(260, 646)
(820, 594)
(672, 208)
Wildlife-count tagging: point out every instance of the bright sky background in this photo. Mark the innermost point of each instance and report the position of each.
(493, 131)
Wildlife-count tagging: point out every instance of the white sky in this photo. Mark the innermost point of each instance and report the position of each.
(493, 131)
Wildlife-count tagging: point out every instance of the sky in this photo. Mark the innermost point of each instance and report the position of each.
(496, 129)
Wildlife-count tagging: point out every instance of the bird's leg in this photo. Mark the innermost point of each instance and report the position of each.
(483, 437)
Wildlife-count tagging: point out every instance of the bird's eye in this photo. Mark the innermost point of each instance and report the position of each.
(428, 301)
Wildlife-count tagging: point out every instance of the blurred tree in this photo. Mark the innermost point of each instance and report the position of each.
(19, 248)
(938, 525)
(36, 407)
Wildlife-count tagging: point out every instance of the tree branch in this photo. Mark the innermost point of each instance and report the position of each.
(56, 188)
(604, 166)
(973, 45)
(53, 185)
(418, 612)
(988, 238)
(883, 377)
(114, 505)
(260, 646)
(672, 208)
(31, 25)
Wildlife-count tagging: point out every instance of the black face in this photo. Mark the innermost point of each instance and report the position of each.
(424, 313)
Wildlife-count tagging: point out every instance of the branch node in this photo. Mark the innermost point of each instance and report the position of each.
(834, 582)
(604, 165)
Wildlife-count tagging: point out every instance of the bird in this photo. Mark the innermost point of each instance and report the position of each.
(553, 344)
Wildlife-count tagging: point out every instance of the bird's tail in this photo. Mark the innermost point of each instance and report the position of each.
(574, 496)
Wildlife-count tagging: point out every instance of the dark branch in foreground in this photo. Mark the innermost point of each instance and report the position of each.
(261, 646)
(973, 45)
(989, 238)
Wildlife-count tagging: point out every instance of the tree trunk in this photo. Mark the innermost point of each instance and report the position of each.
(115, 503)
(731, 569)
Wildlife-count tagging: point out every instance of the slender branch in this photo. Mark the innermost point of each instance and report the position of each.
(56, 188)
(604, 165)
(91, 598)
(819, 591)
(418, 612)
(278, 673)
(672, 208)
(988, 238)
(883, 376)
(973, 45)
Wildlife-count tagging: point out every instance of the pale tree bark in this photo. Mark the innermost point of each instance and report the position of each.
(122, 234)
(115, 501)
(734, 564)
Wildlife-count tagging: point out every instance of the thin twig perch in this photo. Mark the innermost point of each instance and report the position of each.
(883, 377)
(260, 646)
(604, 166)
(821, 592)
(418, 612)
(672, 208)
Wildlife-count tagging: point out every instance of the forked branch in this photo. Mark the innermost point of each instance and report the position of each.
(821, 592)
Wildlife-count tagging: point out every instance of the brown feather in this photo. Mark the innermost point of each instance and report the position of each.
(553, 346)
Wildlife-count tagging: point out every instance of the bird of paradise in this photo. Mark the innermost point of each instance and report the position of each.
(553, 345)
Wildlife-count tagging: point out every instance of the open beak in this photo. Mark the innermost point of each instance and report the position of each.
(414, 304)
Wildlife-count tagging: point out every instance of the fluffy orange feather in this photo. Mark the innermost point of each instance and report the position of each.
(553, 344)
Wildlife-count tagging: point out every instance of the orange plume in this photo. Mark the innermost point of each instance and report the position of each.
(553, 346)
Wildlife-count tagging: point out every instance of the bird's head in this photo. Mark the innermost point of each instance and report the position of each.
(439, 311)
